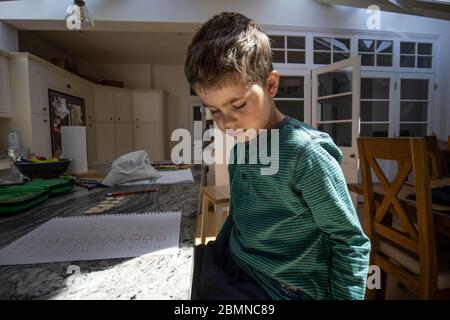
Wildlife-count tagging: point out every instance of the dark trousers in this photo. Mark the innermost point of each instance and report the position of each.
(218, 277)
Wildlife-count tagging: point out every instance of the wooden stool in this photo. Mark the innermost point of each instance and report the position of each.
(219, 196)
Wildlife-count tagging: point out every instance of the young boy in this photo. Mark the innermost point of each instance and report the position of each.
(290, 235)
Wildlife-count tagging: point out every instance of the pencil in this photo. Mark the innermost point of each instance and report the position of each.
(122, 193)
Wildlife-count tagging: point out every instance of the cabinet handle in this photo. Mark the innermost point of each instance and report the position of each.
(45, 120)
(352, 155)
(45, 109)
(111, 118)
(137, 119)
(89, 116)
(118, 118)
(137, 127)
(69, 86)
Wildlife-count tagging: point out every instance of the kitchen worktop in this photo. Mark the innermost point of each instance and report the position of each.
(146, 277)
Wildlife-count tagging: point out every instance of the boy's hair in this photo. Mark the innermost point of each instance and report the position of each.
(229, 46)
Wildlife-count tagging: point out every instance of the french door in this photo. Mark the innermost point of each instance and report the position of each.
(335, 106)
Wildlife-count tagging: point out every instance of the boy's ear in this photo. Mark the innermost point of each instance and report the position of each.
(272, 82)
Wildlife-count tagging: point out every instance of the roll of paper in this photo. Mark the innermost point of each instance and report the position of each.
(73, 145)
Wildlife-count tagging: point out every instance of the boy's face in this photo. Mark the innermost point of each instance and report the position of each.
(240, 108)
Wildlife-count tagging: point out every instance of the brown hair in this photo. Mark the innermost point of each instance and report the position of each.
(228, 46)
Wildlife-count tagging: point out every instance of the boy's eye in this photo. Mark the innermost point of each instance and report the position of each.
(240, 106)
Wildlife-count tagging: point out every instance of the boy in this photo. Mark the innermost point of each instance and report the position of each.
(290, 235)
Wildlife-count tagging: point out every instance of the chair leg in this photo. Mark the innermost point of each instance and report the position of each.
(380, 294)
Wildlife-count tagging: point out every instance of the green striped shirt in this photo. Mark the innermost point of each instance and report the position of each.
(296, 232)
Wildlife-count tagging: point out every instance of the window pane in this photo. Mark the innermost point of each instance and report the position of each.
(197, 113)
(384, 46)
(374, 130)
(296, 56)
(408, 47)
(366, 45)
(339, 108)
(277, 41)
(374, 88)
(374, 111)
(414, 89)
(290, 87)
(296, 42)
(340, 56)
(408, 61)
(425, 48)
(322, 57)
(413, 111)
(340, 44)
(413, 130)
(322, 43)
(340, 132)
(424, 62)
(384, 60)
(334, 83)
(294, 109)
(368, 59)
(278, 56)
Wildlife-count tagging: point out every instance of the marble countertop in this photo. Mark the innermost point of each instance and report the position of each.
(146, 277)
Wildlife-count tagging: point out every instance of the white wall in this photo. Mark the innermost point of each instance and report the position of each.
(31, 42)
(8, 38)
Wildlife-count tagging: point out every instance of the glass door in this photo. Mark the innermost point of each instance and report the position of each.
(294, 94)
(335, 108)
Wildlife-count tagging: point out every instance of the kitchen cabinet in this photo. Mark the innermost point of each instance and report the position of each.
(151, 123)
(5, 94)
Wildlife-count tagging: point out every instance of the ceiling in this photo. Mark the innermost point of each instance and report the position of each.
(119, 46)
(439, 9)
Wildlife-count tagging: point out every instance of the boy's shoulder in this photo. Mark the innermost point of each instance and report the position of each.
(298, 135)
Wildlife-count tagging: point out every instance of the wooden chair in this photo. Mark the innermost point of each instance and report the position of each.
(408, 253)
(434, 156)
(211, 221)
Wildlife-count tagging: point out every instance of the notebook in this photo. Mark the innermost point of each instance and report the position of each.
(96, 237)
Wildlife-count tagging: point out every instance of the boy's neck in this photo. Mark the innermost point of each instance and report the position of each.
(275, 118)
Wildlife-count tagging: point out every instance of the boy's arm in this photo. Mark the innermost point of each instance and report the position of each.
(322, 185)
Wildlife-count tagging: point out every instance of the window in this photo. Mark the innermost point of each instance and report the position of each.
(416, 55)
(376, 52)
(288, 49)
(329, 50)
(414, 107)
(290, 98)
(374, 108)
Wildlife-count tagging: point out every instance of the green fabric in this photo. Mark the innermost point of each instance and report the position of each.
(55, 186)
(14, 199)
(296, 232)
(21, 206)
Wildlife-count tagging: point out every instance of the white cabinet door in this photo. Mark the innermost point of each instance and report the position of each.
(42, 145)
(104, 105)
(148, 106)
(149, 137)
(38, 89)
(5, 93)
(123, 107)
(106, 143)
(124, 138)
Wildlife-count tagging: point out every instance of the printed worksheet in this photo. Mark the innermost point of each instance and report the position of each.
(96, 237)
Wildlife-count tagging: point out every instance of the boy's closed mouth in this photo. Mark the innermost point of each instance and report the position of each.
(235, 133)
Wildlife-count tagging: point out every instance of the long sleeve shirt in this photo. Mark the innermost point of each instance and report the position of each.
(296, 232)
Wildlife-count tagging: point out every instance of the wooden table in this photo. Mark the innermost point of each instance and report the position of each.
(441, 212)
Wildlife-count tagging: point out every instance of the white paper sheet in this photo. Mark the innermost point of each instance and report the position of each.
(96, 237)
(167, 177)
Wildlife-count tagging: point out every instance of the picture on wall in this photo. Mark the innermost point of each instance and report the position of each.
(65, 110)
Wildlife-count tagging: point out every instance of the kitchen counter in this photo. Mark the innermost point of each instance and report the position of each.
(146, 277)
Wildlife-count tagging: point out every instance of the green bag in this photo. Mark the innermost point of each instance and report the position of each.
(14, 199)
